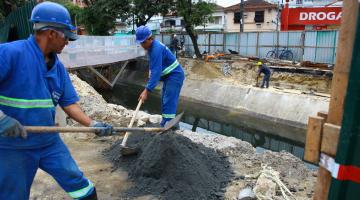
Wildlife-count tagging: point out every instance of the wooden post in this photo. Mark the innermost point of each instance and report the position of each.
(343, 61)
(339, 84)
(209, 34)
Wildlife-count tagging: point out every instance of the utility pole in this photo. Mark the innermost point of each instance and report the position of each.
(242, 16)
(277, 25)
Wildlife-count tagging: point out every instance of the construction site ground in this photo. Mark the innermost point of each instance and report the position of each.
(212, 166)
(286, 77)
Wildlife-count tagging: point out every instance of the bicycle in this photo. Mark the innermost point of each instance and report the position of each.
(282, 54)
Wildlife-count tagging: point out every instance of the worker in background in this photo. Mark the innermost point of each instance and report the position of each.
(174, 45)
(163, 67)
(266, 71)
(33, 82)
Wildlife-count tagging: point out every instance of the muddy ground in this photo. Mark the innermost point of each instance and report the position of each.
(177, 165)
(245, 72)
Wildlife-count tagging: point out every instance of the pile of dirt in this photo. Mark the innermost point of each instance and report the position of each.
(95, 106)
(171, 166)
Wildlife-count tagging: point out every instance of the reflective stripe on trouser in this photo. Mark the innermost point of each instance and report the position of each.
(170, 68)
(17, 175)
(26, 103)
(169, 100)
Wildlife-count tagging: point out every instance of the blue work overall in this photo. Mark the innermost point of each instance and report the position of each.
(164, 67)
(29, 92)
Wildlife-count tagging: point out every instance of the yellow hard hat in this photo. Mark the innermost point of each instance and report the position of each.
(259, 63)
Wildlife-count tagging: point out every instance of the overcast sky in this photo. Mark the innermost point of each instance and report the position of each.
(226, 3)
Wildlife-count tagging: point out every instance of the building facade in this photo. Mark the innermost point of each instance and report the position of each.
(218, 24)
(326, 17)
(259, 15)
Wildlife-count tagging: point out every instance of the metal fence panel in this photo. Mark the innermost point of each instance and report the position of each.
(325, 43)
(248, 44)
(267, 39)
(283, 39)
(167, 39)
(315, 46)
(309, 46)
(232, 42)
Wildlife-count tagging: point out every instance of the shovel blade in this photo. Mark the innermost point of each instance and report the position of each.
(127, 151)
(173, 122)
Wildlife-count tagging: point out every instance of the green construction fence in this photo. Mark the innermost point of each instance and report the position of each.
(17, 25)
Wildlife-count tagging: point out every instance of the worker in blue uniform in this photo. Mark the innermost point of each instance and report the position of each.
(163, 67)
(266, 71)
(33, 82)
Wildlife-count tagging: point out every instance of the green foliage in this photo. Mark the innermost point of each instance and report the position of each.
(75, 11)
(100, 15)
(145, 9)
(194, 14)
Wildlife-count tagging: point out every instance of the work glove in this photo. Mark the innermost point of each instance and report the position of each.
(10, 127)
(106, 129)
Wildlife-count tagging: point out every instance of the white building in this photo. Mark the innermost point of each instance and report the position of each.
(218, 24)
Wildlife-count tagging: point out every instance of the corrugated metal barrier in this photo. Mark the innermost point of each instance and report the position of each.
(18, 23)
(315, 46)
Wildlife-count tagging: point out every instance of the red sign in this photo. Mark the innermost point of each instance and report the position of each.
(313, 16)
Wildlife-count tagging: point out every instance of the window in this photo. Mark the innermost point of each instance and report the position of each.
(217, 20)
(259, 16)
(169, 23)
(237, 18)
(182, 23)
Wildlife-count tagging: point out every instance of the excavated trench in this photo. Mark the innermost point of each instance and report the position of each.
(188, 165)
(266, 119)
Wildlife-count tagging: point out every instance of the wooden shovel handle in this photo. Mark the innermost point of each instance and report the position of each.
(123, 143)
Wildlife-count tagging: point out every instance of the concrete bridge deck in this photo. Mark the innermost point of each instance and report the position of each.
(96, 51)
(99, 50)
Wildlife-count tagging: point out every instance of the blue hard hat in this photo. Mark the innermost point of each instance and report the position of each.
(142, 33)
(49, 12)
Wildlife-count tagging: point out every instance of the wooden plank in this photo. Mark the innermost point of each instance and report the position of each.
(343, 61)
(313, 139)
(120, 72)
(100, 75)
(339, 84)
(323, 114)
(330, 139)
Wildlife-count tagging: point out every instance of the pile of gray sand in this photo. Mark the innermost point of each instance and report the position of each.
(171, 166)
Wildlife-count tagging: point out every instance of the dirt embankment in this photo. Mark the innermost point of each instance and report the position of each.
(174, 165)
(245, 72)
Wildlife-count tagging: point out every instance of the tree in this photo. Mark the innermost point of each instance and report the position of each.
(75, 11)
(194, 14)
(100, 15)
(144, 10)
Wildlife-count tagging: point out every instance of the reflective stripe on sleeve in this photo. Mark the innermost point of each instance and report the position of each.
(26, 103)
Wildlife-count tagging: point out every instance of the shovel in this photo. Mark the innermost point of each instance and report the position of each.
(127, 151)
(116, 130)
